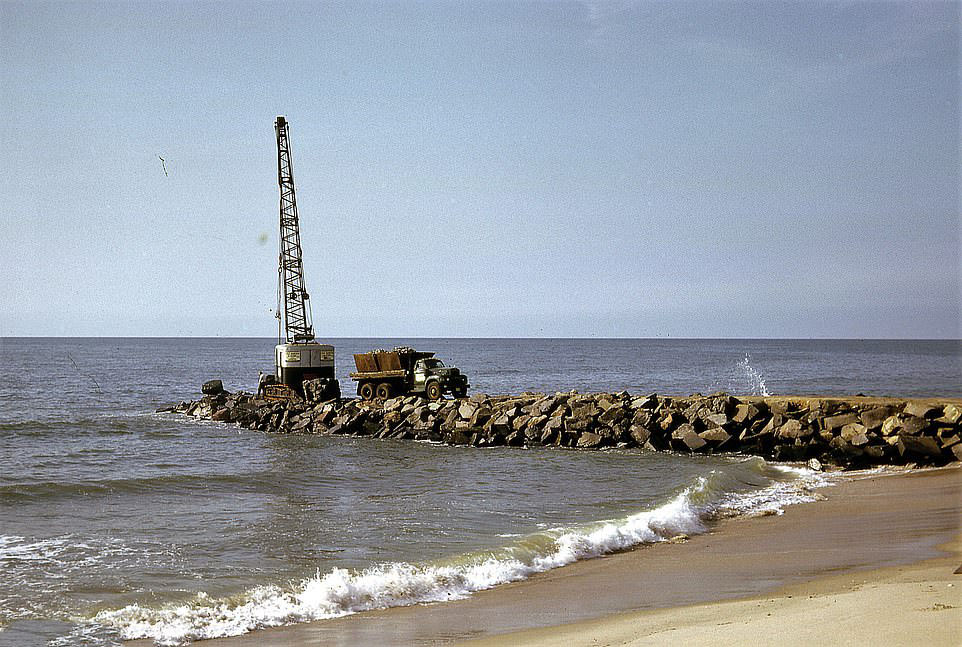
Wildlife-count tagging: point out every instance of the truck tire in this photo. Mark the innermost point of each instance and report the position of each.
(366, 391)
(383, 391)
(433, 391)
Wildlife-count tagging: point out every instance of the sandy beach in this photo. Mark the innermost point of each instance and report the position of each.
(873, 561)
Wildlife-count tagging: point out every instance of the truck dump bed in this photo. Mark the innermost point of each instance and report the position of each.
(387, 363)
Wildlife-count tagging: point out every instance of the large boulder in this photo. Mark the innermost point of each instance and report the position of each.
(837, 422)
(685, 437)
(851, 430)
(745, 413)
(466, 410)
(951, 414)
(957, 451)
(716, 420)
(639, 434)
(716, 436)
(914, 425)
(794, 429)
(922, 410)
(873, 418)
(588, 439)
(320, 389)
(917, 446)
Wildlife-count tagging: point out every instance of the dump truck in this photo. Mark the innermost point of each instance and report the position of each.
(384, 374)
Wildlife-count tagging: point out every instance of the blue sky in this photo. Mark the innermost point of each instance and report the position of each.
(629, 169)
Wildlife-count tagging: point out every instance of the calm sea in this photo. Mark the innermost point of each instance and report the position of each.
(116, 522)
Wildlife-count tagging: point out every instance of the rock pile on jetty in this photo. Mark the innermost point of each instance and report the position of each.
(851, 432)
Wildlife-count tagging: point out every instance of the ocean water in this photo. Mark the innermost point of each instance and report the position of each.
(116, 522)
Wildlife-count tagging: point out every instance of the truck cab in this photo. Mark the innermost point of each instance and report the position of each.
(429, 370)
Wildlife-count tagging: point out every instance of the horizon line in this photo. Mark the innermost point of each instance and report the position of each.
(957, 339)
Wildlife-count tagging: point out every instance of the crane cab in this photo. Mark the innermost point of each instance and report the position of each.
(303, 361)
(296, 363)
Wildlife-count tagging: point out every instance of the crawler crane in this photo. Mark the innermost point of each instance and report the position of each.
(298, 358)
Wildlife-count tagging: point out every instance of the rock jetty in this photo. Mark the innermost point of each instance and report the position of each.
(849, 432)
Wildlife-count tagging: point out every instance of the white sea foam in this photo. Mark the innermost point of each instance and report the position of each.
(341, 592)
(754, 379)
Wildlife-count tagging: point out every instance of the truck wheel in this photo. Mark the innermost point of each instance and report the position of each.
(366, 391)
(383, 391)
(433, 391)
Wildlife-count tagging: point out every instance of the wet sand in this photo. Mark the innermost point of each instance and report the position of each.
(919, 604)
(877, 555)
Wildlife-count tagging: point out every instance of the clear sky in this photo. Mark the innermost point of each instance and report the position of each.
(632, 169)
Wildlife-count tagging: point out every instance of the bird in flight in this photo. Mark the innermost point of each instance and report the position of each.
(164, 164)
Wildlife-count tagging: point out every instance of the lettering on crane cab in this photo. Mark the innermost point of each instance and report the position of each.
(326, 355)
(292, 355)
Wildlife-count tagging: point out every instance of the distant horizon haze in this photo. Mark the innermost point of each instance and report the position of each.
(321, 340)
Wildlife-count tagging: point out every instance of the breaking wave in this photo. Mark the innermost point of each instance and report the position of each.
(339, 592)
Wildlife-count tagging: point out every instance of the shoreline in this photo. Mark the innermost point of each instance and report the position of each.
(868, 522)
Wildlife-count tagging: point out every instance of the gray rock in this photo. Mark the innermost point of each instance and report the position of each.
(451, 419)
(951, 414)
(891, 425)
(668, 421)
(922, 410)
(613, 416)
(639, 434)
(914, 425)
(745, 413)
(851, 430)
(794, 429)
(585, 411)
(577, 424)
(320, 390)
(837, 422)
(515, 439)
(693, 441)
(949, 440)
(481, 416)
(716, 436)
(873, 418)
(843, 447)
(642, 417)
(860, 439)
(717, 420)
(458, 437)
(917, 446)
(589, 439)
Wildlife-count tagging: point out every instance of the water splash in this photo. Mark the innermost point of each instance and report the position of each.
(754, 379)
